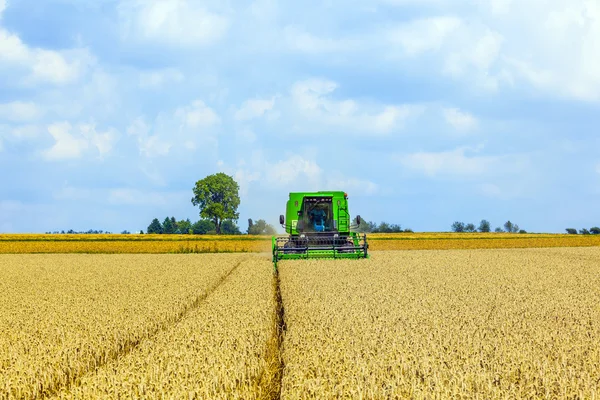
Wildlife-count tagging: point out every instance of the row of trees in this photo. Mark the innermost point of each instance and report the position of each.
(88, 232)
(593, 231)
(485, 226)
(383, 227)
(183, 227)
(204, 226)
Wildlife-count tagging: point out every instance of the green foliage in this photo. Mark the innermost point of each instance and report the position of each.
(584, 231)
(155, 227)
(458, 226)
(183, 226)
(168, 227)
(510, 227)
(571, 231)
(228, 227)
(595, 230)
(485, 226)
(470, 227)
(202, 227)
(261, 227)
(498, 230)
(218, 198)
(522, 231)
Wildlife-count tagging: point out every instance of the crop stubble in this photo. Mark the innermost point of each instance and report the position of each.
(444, 324)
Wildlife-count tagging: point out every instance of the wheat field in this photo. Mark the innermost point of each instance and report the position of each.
(488, 324)
(444, 324)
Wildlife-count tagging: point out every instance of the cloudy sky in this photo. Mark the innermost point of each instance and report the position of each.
(424, 111)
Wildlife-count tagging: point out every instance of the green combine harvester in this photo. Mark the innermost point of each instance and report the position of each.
(319, 226)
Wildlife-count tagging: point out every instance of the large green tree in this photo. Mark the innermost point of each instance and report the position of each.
(218, 198)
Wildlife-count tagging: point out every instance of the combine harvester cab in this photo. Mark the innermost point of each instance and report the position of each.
(319, 226)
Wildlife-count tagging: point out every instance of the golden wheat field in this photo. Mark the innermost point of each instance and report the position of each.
(504, 323)
(156, 244)
(444, 324)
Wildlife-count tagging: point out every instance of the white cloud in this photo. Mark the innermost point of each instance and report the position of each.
(176, 22)
(423, 35)
(159, 78)
(312, 99)
(43, 65)
(299, 40)
(554, 46)
(73, 145)
(130, 196)
(183, 128)
(294, 169)
(254, 108)
(149, 145)
(245, 136)
(18, 111)
(197, 115)
(66, 145)
(352, 185)
(462, 162)
(460, 120)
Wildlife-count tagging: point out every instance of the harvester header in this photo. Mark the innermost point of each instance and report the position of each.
(319, 226)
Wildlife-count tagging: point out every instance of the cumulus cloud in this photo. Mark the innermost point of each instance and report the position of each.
(552, 46)
(19, 111)
(159, 78)
(254, 108)
(421, 35)
(314, 101)
(174, 23)
(41, 65)
(459, 120)
(298, 39)
(182, 128)
(197, 115)
(72, 143)
(462, 162)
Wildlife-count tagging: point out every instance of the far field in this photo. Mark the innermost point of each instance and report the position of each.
(156, 244)
(487, 323)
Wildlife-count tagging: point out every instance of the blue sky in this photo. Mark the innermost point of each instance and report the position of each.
(425, 112)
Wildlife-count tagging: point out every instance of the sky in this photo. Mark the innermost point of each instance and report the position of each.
(425, 112)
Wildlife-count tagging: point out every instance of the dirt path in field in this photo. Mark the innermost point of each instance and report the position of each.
(131, 345)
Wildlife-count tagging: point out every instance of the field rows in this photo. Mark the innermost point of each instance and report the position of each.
(444, 324)
(62, 317)
(413, 324)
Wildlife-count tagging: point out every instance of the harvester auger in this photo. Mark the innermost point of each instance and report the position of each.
(319, 226)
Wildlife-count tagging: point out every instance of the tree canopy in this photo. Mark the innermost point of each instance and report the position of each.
(218, 198)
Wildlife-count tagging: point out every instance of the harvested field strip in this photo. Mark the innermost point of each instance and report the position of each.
(218, 351)
(444, 324)
(66, 315)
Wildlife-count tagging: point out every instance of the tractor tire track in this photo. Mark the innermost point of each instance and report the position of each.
(130, 345)
(270, 381)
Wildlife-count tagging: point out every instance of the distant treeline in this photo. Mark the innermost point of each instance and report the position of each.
(593, 231)
(485, 226)
(72, 232)
(382, 227)
(170, 225)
